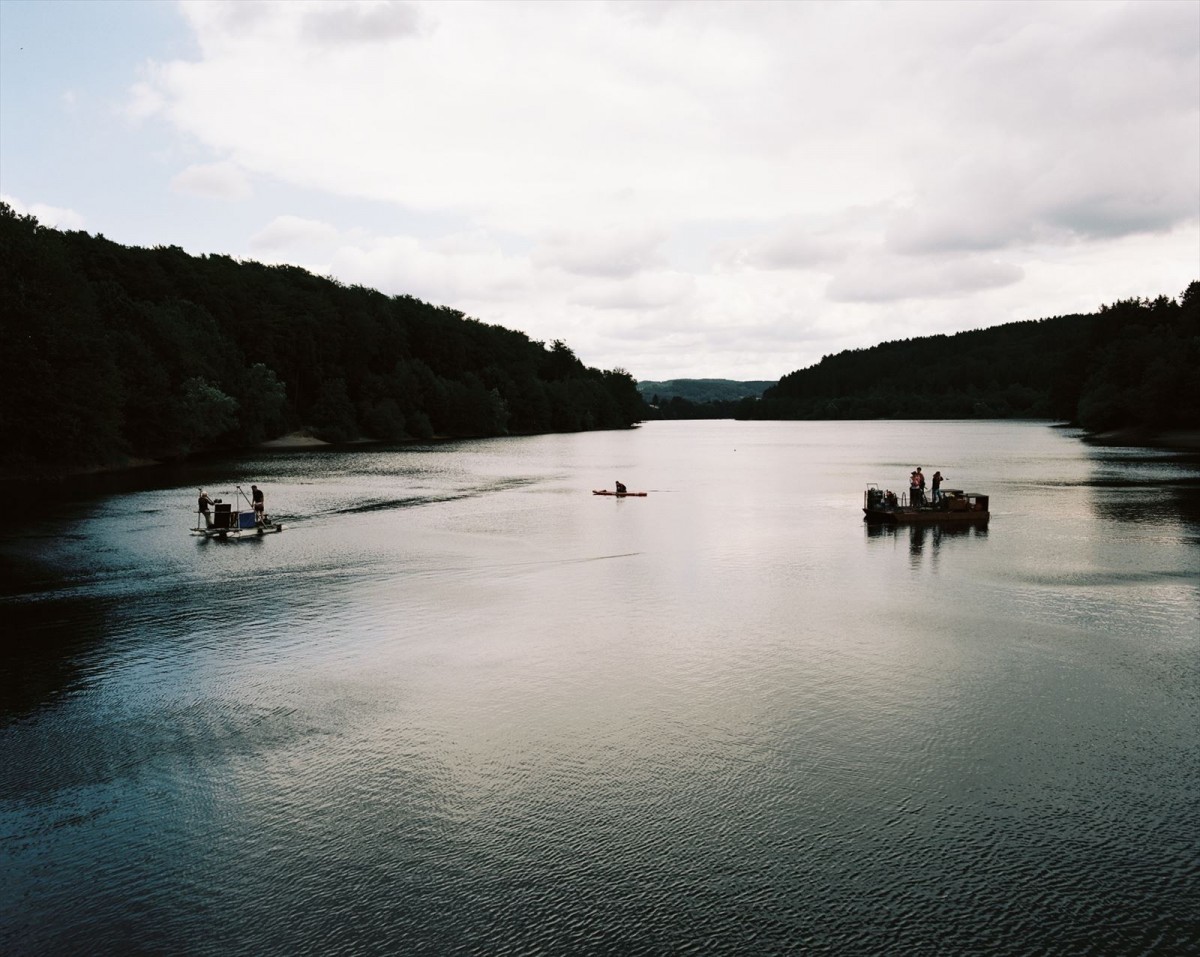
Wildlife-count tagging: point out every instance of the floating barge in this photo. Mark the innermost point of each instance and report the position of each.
(953, 506)
(229, 522)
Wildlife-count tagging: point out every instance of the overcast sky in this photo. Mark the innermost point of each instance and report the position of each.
(679, 189)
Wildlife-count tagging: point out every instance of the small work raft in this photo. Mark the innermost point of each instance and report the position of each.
(228, 522)
(953, 506)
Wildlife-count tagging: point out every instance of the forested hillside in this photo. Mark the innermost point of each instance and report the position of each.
(1132, 365)
(110, 352)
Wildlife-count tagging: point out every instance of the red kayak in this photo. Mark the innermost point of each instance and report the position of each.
(619, 494)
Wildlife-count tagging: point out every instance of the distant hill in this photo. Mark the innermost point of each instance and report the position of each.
(703, 390)
(698, 398)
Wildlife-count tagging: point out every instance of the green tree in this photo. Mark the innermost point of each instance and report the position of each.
(203, 409)
(262, 403)
(383, 419)
(332, 416)
(111, 351)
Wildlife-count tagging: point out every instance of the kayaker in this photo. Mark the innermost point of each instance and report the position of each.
(620, 488)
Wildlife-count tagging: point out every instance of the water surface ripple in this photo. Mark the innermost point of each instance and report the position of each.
(463, 706)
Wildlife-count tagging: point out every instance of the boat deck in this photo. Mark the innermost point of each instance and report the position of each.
(953, 505)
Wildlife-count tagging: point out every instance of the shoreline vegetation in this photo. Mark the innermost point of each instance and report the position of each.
(1130, 369)
(1128, 373)
(118, 357)
(115, 354)
(1183, 442)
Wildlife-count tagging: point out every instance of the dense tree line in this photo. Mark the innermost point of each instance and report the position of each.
(1132, 365)
(111, 352)
(678, 407)
(1143, 368)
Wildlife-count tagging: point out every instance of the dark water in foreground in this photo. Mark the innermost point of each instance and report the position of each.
(461, 705)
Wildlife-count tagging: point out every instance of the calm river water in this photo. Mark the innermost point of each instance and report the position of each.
(463, 706)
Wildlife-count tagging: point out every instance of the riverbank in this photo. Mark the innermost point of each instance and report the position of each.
(1176, 440)
(294, 440)
(1186, 441)
(290, 442)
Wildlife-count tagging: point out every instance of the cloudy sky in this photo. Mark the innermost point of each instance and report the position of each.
(679, 189)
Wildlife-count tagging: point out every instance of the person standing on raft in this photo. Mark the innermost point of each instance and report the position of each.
(202, 506)
(260, 505)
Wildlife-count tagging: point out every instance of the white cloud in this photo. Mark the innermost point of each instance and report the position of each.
(145, 100)
(214, 180)
(884, 278)
(378, 22)
(451, 270)
(640, 293)
(802, 243)
(755, 180)
(611, 253)
(54, 216)
(291, 232)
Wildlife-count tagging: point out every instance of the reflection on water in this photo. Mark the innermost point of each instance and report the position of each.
(918, 535)
(923, 540)
(1146, 487)
(1148, 506)
(461, 705)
